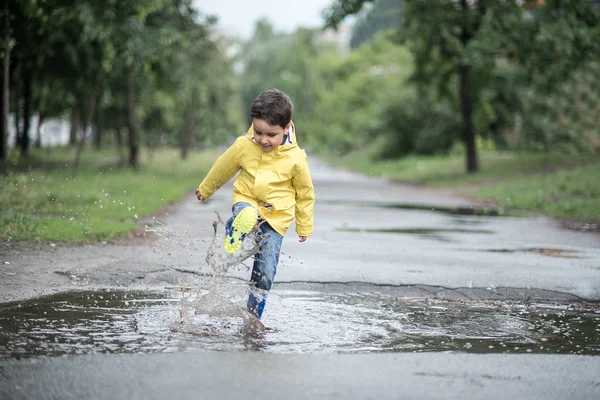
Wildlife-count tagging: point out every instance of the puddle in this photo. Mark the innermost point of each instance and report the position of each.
(477, 211)
(550, 252)
(298, 319)
(432, 233)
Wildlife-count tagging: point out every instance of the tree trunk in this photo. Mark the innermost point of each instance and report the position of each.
(466, 101)
(4, 89)
(74, 124)
(118, 126)
(17, 119)
(88, 119)
(121, 132)
(497, 136)
(26, 113)
(467, 114)
(38, 131)
(186, 137)
(118, 137)
(98, 137)
(133, 139)
(151, 134)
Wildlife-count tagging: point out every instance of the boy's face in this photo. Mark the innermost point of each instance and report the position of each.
(268, 137)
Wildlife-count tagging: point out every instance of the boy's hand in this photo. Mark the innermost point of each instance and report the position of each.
(199, 196)
(302, 239)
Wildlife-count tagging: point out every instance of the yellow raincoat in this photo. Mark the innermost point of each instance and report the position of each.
(277, 183)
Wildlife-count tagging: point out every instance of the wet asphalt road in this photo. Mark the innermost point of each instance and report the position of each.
(426, 250)
(297, 377)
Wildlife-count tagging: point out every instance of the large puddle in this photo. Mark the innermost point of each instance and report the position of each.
(298, 319)
(477, 211)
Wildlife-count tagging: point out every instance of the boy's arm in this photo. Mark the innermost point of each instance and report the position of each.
(226, 166)
(305, 199)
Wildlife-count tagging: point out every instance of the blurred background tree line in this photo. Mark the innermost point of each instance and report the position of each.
(126, 72)
(419, 77)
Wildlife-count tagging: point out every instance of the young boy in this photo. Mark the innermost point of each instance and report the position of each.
(273, 187)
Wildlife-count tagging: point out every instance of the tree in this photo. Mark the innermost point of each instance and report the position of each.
(188, 96)
(382, 16)
(125, 60)
(439, 33)
(28, 29)
(96, 49)
(461, 43)
(4, 84)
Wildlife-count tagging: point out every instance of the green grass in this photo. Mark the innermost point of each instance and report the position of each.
(571, 194)
(557, 185)
(105, 199)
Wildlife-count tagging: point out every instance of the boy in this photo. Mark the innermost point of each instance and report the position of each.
(273, 187)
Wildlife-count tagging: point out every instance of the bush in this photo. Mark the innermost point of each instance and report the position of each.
(567, 118)
(417, 126)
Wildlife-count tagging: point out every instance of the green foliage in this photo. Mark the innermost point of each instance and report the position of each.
(382, 16)
(551, 41)
(183, 81)
(529, 66)
(340, 9)
(292, 63)
(352, 103)
(344, 105)
(416, 125)
(370, 104)
(567, 118)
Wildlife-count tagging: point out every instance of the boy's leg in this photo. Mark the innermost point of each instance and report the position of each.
(242, 221)
(264, 269)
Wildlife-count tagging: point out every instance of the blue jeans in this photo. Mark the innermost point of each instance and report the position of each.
(265, 263)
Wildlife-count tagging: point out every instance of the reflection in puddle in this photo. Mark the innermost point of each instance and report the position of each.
(432, 233)
(298, 320)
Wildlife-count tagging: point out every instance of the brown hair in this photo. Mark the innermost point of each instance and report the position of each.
(272, 106)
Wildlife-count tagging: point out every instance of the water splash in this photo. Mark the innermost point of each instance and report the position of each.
(217, 305)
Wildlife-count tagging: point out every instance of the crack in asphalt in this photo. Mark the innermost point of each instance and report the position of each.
(441, 292)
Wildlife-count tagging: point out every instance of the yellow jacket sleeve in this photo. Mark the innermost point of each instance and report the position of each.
(305, 199)
(226, 166)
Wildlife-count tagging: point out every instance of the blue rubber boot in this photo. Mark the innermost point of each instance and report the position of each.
(256, 304)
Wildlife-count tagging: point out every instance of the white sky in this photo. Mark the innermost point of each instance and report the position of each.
(239, 16)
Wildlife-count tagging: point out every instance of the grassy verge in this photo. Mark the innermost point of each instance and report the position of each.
(105, 199)
(557, 185)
